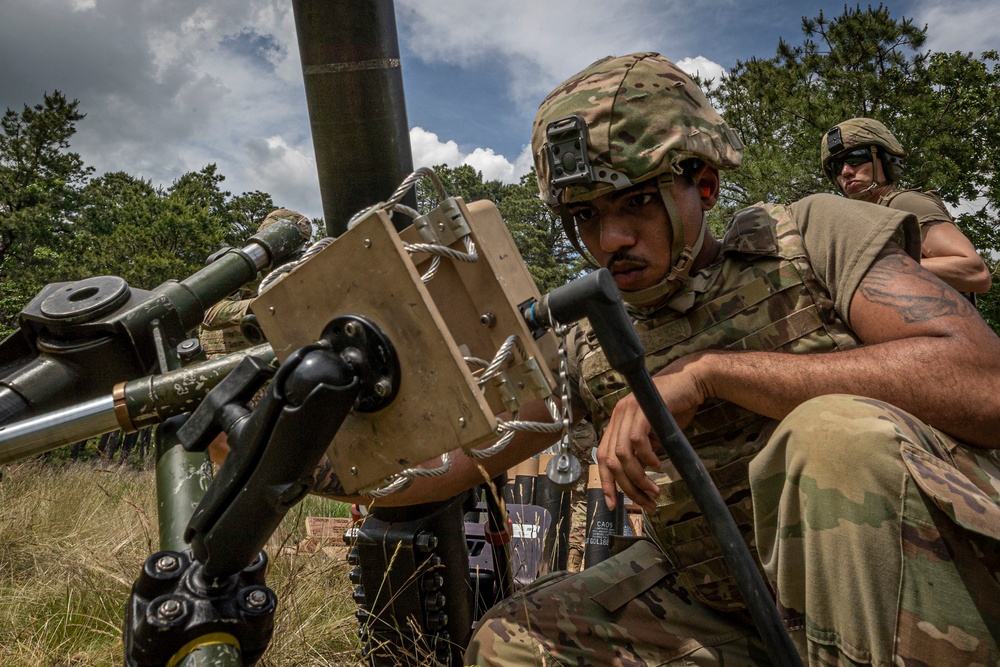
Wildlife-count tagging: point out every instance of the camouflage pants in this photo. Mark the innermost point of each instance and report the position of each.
(879, 534)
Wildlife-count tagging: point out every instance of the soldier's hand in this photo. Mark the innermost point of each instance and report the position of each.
(629, 446)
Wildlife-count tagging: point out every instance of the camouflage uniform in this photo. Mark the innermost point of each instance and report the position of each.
(890, 562)
(220, 331)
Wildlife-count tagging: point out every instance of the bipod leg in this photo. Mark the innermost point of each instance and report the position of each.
(182, 477)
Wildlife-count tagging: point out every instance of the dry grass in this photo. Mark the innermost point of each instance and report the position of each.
(74, 537)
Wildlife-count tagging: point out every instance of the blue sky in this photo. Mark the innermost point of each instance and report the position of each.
(172, 85)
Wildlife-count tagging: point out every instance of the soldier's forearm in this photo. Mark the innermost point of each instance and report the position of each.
(917, 375)
(965, 274)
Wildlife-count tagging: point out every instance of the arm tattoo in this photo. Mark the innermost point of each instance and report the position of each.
(939, 300)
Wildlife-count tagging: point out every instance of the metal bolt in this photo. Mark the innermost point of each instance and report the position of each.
(383, 388)
(368, 243)
(256, 599)
(271, 309)
(167, 564)
(488, 319)
(461, 422)
(354, 470)
(562, 464)
(170, 609)
(351, 328)
(188, 349)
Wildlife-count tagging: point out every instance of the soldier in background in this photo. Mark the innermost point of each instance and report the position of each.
(863, 158)
(221, 332)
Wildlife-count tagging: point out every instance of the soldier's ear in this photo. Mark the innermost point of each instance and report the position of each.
(707, 181)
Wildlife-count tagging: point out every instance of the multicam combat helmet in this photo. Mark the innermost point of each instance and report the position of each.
(301, 221)
(620, 122)
(862, 133)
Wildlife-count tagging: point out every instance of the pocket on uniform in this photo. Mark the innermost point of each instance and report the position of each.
(952, 492)
(702, 569)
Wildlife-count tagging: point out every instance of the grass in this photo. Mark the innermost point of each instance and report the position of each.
(73, 537)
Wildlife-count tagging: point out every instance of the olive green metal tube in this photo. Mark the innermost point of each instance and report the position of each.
(133, 405)
(152, 399)
(357, 111)
(182, 477)
(193, 295)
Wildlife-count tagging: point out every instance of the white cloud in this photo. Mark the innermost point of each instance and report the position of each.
(170, 87)
(704, 68)
(287, 173)
(429, 151)
(960, 25)
(538, 43)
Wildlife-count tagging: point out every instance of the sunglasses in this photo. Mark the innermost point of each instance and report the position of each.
(855, 158)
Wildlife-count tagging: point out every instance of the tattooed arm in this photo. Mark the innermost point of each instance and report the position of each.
(926, 350)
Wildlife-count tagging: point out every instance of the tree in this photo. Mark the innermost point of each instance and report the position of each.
(39, 177)
(941, 106)
(40, 180)
(245, 213)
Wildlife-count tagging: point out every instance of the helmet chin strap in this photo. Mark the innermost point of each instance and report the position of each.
(682, 255)
(862, 194)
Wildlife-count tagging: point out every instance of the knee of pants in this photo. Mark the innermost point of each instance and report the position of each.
(837, 441)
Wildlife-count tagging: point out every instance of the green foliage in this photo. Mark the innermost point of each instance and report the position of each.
(39, 181)
(941, 106)
(57, 224)
(536, 231)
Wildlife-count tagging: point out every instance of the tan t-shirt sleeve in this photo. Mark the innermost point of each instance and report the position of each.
(929, 209)
(843, 237)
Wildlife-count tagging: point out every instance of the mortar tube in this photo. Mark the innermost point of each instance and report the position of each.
(601, 523)
(555, 547)
(525, 475)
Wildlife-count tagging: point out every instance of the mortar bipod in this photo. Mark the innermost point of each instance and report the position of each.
(215, 592)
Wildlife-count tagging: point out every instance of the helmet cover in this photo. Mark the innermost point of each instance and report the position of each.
(301, 221)
(643, 116)
(861, 133)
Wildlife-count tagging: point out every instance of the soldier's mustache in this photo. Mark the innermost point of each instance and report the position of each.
(623, 256)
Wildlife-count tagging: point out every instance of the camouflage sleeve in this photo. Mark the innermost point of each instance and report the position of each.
(842, 238)
(927, 206)
(225, 314)
(581, 342)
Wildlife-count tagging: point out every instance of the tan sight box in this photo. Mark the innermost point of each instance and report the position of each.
(466, 309)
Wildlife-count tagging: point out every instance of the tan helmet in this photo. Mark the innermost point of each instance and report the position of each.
(862, 133)
(622, 121)
(301, 221)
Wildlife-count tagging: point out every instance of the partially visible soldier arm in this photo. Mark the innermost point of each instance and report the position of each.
(949, 255)
(926, 351)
